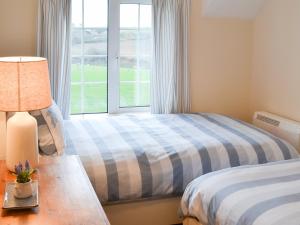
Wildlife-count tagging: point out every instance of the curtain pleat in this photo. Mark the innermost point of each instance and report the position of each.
(170, 75)
(54, 43)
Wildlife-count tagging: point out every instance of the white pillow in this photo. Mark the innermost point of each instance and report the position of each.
(50, 130)
(54, 120)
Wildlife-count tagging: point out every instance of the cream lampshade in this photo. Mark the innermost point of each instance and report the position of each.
(24, 86)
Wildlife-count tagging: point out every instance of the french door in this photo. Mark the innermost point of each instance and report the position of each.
(111, 56)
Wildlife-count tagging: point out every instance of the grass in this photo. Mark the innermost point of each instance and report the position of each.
(93, 95)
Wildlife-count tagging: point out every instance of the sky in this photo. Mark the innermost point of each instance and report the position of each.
(95, 14)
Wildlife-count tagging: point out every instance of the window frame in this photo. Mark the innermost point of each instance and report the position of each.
(82, 56)
(113, 59)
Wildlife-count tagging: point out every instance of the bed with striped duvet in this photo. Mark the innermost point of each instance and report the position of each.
(266, 194)
(133, 157)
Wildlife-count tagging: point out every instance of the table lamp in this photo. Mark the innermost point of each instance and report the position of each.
(24, 86)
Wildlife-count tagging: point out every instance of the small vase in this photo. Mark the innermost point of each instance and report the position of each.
(23, 190)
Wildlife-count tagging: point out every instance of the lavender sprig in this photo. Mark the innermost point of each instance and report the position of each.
(27, 166)
(23, 176)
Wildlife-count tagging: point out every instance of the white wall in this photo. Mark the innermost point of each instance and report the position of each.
(221, 64)
(245, 9)
(18, 27)
(276, 59)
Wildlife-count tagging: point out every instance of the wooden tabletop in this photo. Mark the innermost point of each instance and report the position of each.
(66, 196)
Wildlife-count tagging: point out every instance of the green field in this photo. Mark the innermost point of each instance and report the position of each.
(93, 95)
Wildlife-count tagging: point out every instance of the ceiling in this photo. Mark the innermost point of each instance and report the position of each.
(244, 9)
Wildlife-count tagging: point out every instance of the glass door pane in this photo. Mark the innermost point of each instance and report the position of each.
(89, 56)
(135, 54)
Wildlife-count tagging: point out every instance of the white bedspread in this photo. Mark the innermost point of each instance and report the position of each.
(148, 156)
(266, 194)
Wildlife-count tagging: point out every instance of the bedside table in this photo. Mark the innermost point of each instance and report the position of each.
(66, 196)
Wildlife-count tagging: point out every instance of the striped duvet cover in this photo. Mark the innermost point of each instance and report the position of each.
(131, 157)
(266, 194)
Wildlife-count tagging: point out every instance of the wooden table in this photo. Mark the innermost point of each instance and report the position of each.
(66, 196)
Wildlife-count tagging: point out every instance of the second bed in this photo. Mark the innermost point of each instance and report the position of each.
(266, 194)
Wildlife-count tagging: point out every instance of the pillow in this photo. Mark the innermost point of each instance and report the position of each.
(50, 130)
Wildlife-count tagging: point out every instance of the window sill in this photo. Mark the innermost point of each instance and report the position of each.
(122, 111)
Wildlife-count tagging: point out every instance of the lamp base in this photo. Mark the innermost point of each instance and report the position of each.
(22, 140)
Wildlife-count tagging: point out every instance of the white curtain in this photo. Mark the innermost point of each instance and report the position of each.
(53, 43)
(170, 78)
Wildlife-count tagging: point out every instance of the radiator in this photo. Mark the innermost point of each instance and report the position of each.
(286, 129)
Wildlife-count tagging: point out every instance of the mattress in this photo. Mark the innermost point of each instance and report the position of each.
(247, 195)
(133, 157)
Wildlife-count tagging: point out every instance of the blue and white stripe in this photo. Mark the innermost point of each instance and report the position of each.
(247, 195)
(143, 156)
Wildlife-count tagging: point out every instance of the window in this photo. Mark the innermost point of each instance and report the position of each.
(110, 74)
(89, 56)
(135, 54)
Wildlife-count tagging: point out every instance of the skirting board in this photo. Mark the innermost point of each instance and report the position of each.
(158, 212)
(2, 134)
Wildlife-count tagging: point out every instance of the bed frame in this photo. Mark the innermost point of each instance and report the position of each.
(147, 212)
